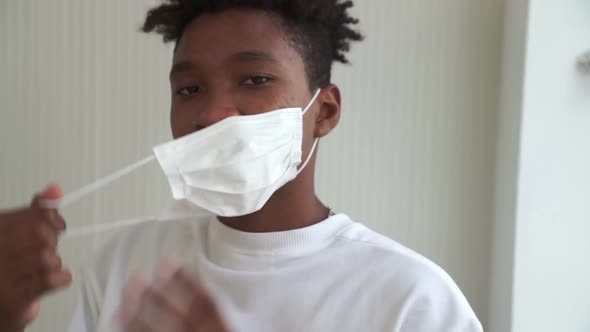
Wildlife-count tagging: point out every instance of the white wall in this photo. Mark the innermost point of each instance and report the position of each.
(507, 162)
(82, 93)
(541, 245)
(552, 270)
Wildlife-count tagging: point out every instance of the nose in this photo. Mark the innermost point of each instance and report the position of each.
(214, 109)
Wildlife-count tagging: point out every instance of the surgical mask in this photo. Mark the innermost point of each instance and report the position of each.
(233, 167)
(230, 168)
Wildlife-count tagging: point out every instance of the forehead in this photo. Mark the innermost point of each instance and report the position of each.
(211, 38)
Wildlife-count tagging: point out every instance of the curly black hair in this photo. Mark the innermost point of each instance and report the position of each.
(320, 30)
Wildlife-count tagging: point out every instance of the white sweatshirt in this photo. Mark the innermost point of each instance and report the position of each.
(336, 275)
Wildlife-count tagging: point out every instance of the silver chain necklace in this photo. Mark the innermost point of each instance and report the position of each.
(331, 212)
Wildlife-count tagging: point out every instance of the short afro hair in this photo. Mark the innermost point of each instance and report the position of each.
(319, 30)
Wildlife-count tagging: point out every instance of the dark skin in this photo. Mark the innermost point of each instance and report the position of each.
(237, 62)
(241, 63)
(29, 261)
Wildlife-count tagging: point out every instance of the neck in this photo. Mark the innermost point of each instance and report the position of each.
(293, 206)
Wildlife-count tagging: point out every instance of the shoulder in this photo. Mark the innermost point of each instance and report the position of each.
(427, 297)
(386, 250)
(390, 252)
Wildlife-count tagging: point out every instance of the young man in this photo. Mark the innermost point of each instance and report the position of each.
(251, 96)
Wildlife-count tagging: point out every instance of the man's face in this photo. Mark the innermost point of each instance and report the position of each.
(236, 62)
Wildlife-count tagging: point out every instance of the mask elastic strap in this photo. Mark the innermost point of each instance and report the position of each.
(315, 143)
(94, 186)
(91, 229)
(315, 95)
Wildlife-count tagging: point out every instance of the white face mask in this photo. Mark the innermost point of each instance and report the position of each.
(233, 167)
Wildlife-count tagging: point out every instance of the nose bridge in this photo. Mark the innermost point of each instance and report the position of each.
(216, 107)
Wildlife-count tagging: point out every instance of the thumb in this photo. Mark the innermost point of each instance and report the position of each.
(52, 192)
(49, 199)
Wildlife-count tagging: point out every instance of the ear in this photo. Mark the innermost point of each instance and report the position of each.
(329, 114)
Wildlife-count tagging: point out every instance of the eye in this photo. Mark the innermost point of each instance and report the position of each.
(257, 80)
(188, 90)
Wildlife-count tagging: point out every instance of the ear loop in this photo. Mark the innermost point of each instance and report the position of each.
(315, 95)
(317, 139)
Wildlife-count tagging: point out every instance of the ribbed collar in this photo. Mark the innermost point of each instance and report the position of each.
(237, 250)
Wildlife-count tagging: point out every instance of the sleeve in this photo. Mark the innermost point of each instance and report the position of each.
(436, 304)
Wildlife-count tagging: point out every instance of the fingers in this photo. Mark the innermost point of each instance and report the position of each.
(19, 295)
(39, 273)
(132, 298)
(24, 228)
(202, 313)
(51, 197)
(55, 281)
(14, 218)
(199, 307)
(49, 216)
(53, 218)
(29, 263)
(144, 309)
(37, 284)
(10, 220)
(175, 301)
(53, 192)
(31, 312)
(139, 326)
(46, 261)
(171, 285)
(29, 236)
(40, 269)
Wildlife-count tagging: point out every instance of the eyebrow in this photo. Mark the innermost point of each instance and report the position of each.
(253, 56)
(180, 67)
(244, 56)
